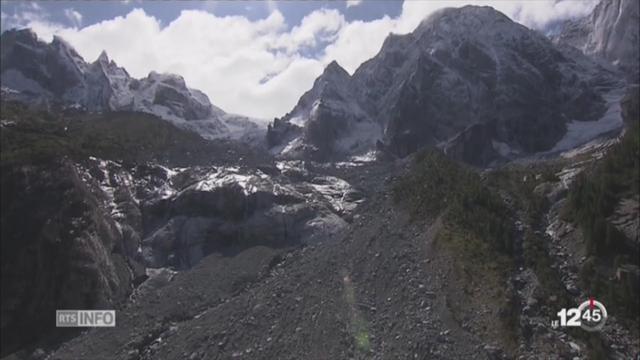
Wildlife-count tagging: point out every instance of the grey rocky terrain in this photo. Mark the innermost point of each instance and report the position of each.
(443, 202)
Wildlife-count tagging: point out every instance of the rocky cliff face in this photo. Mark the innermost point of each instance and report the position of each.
(81, 232)
(186, 214)
(61, 249)
(611, 32)
(468, 70)
(56, 72)
(327, 123)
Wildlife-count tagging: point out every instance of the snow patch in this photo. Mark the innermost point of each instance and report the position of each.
(581, 132)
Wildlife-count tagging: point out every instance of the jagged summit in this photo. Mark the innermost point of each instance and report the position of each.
(335, 68)
(25, 34)
(103, 57)
(54, 73)
(333, 79)
(327, 122)
(58, 41)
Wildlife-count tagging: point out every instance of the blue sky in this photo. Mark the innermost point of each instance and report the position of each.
(166, 11)
(250, 57)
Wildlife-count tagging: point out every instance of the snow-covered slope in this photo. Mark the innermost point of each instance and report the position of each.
(467, 79)
(36, 72)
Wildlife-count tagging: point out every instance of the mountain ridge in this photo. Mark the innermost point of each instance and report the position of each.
(39, 73)
(461, 68)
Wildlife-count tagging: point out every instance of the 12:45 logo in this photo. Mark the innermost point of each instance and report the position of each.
(591, 315)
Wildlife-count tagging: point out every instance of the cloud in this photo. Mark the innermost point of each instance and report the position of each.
(351, 3)
(260, 68)
(537, 14)
(248, 67)
(358, 41)
(74, 17)
(317, 27)
(26, 13)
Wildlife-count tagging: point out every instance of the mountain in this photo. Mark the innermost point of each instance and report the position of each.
(327, 120)
(611, 32)
(219, 250)
(468, 80)
(438, 261)
(92, 201)
(56, 75)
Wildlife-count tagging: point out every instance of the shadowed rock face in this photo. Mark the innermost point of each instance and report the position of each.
(227, 210)
(460, 68)
(38, 68)
(327, 123)
(79, 235)
(180, 103)
(60, 250)
(179, 216)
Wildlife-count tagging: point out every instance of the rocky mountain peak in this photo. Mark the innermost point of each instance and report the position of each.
(335, 70)
(36, 72)
(26, 36)
(465, 16)
(111, 71)
(333, 79)
(103, 58)
(480, 23)
(59, 42)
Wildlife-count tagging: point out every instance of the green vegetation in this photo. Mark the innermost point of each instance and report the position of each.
(476, 234)
(511, 180)
(594, 198)
(598, 191)
(438, 184)
(32, 136)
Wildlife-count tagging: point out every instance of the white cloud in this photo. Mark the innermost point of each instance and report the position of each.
(29, 12)
(359, 41)
(351, 3)
(34, 5)
(247, 67)
(260, 68)
(319, 26)
(74, 17)
(532, 13)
